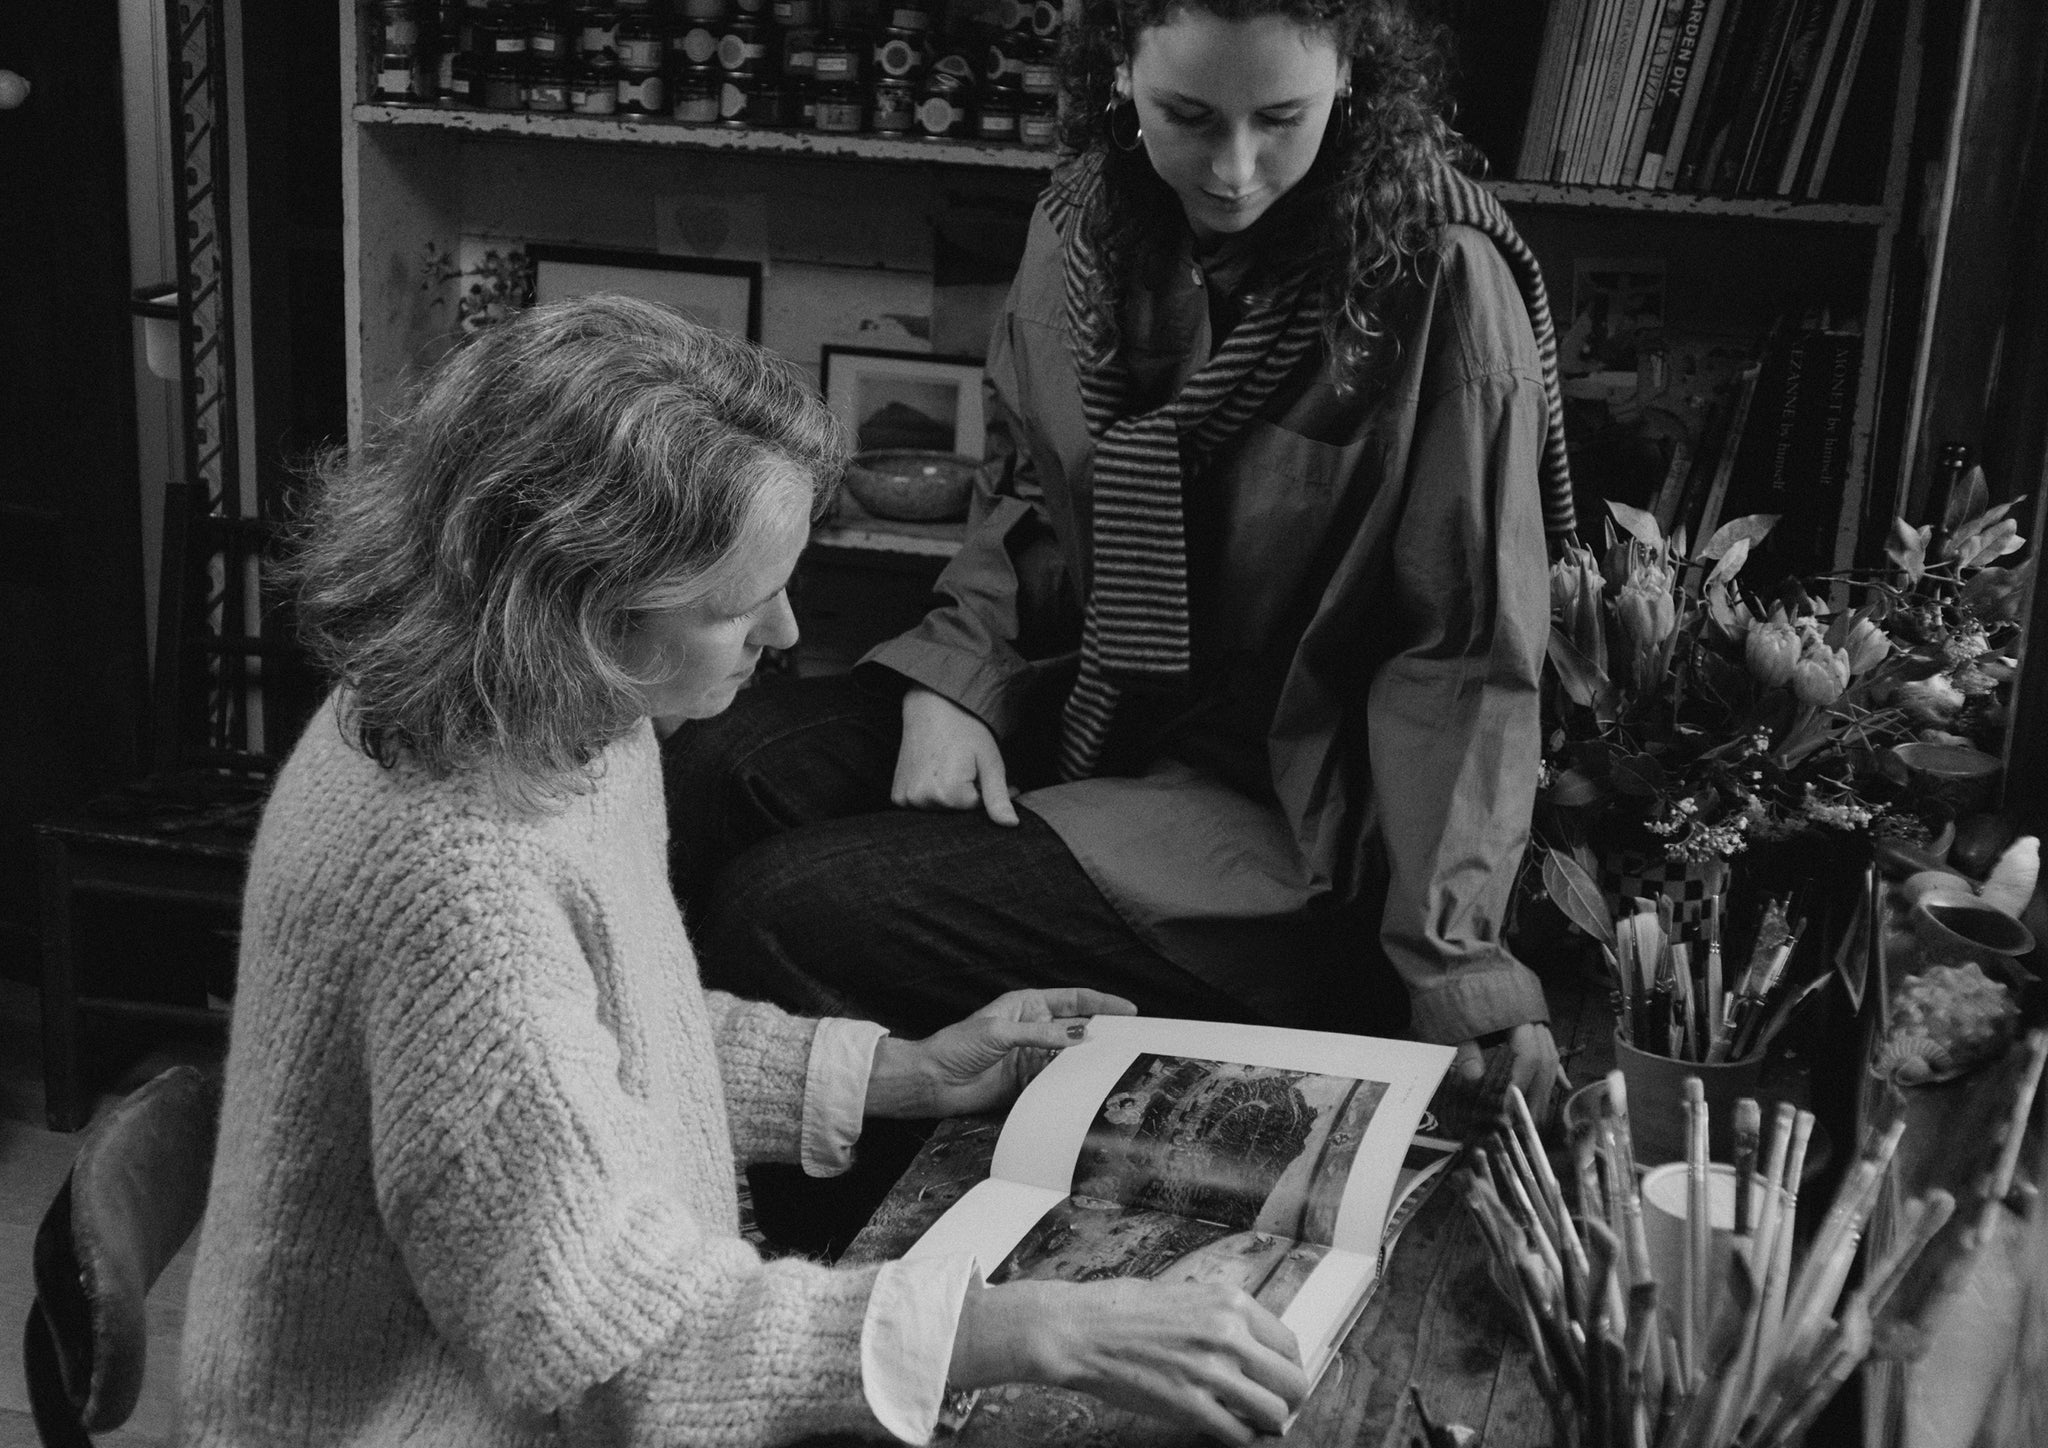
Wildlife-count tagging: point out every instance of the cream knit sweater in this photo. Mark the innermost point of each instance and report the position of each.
(475, 1174)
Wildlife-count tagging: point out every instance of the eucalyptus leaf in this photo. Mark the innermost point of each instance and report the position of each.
(1753, 526)
(1572, 789)
(1572, 890)
(1968, 499)
(1583, 680)
(1637, 775)
(1731, 562)
(1641, 525)
(1907, 547)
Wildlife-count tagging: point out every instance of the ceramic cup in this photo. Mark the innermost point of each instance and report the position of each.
(1956, 775)
(1952, 929)
(1665, 1200)
(1656, 1101)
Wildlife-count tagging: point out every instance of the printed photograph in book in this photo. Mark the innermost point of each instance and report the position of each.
(1197, 1170)
(1617, 312)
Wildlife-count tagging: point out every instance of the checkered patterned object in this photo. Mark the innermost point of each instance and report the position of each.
(1691, 888)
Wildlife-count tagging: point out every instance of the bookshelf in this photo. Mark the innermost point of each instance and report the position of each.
(419, 180)
(1738, 257)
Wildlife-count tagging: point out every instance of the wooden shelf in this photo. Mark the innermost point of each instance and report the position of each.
(1686, 204)
(852, 527)
(655, 131)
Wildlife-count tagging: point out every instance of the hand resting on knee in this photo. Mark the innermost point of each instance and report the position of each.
(949, 759)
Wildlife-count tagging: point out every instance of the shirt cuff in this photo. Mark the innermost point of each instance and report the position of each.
(906, 1341)
(836, 1093)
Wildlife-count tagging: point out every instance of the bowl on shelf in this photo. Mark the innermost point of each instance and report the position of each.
(911, 485)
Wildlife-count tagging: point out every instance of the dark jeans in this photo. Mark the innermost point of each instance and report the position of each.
(805, 887)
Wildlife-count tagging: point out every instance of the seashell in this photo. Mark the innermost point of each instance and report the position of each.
(2012, 880)
(1911, 1057)
(1945, 883)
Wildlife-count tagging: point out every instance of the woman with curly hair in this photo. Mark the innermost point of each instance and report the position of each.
(1253, 603)
(474, 1182)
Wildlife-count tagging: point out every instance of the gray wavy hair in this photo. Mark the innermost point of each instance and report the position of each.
(469, 575)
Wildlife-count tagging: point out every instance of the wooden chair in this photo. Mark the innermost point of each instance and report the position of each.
(134, 1194)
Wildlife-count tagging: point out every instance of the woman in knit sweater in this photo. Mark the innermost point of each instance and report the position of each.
(475, 1175)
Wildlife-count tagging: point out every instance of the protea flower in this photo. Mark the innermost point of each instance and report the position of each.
(1772, 650)
(1820, 675)
(1932, 700)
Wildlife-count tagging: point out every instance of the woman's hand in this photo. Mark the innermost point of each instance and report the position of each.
(949, 760)
(1200, 1354)
(982, 1062)
(1532, 1064)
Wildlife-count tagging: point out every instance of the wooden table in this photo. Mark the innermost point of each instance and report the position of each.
(1435, 1320)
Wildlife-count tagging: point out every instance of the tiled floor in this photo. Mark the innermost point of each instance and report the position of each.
(33, 1162)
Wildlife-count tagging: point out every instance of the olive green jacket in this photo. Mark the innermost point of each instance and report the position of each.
(1369, 604)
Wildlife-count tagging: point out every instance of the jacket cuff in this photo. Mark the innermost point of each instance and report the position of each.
(836, 1092)
(1470, 1001)
(985, 688)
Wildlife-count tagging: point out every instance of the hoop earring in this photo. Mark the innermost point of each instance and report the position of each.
(1117, 110)
(1340, 124)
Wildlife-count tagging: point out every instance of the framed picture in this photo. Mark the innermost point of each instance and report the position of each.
(905, 399)
(717, 293)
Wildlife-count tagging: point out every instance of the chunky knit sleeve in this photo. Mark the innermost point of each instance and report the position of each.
(532, 1182)
(763, 1056)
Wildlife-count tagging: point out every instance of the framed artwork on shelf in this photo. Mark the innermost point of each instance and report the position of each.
(891, 399)
(718, 293)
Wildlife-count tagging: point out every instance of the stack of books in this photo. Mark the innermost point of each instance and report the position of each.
(1725, 97)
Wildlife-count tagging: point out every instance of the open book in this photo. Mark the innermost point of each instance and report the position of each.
(1281, 1161)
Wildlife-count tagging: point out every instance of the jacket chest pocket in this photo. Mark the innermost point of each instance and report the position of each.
(1274, 496)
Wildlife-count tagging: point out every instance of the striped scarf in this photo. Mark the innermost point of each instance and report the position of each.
(1135, 629)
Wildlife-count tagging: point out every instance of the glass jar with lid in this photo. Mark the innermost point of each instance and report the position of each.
(900, 56)
(547, 85)
(839, 106)
(597, 34)
(743, 46)
(942, 105)
(697, 95)
(998, 115)
(892, 108)
(593, 89)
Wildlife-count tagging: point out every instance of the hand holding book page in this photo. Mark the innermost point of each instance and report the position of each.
(1196, 1152)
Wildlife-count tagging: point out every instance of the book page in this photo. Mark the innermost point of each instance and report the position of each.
(1190, 1151)
(1299, 1134)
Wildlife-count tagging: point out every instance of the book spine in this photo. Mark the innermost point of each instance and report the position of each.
(1816, 94)
(1589, 84)
(1782, 404)
(1697, 60)
(1820, 455)
(1731, 447)
(1621, 47)
(1839, 103)
(1730, 44)
(1572, 116)
(1650, 98)
(1746, 114)
(1789, 91)
(1553, 68)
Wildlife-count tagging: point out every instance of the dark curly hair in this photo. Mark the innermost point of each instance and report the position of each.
(1363, 213)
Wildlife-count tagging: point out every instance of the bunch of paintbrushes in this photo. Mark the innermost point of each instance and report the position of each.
(1671, 995)
(1745, 1357)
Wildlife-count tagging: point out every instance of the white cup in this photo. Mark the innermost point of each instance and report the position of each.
(1665, 1204)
